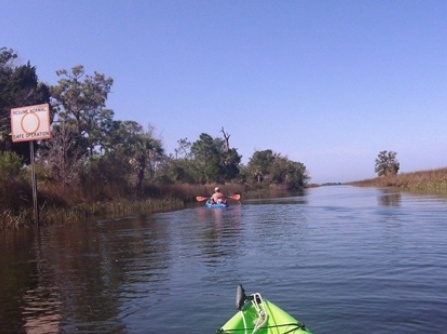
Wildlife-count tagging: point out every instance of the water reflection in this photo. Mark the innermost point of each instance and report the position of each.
(79, 271)
(85, 269)
(389, 197)
(280, 200)
(42, 310)
(220, 227)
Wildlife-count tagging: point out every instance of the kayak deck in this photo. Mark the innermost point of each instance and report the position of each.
(278, 322)
(261, 316)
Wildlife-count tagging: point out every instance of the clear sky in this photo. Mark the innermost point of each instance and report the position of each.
(326, 83)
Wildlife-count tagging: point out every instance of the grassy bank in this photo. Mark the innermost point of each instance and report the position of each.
(84, 211)
(428, 181)
(58, 206)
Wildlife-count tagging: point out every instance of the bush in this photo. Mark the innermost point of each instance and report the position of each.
(10, 166)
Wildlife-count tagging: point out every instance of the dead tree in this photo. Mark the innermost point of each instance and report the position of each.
(227, 139)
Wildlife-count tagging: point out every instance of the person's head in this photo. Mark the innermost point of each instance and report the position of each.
(216, 190)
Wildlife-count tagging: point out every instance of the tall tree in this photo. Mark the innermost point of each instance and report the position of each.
(148, 152)
(141, 148)
(81, 102)
(230, 162)
(19, 86)
(269, 167)
(292, 174)
(183, 149)
(386, 163)
(214, 160)
(206, 153)
(260, 163)
(7, 57)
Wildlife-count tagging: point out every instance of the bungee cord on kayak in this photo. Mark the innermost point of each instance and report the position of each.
(259, 315)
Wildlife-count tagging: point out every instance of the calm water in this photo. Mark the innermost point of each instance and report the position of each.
(340, 259)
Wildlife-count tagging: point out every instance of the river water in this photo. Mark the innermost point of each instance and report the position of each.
(340, 259)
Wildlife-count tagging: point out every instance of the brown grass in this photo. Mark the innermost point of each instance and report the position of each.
(429, 181)
(59, 205)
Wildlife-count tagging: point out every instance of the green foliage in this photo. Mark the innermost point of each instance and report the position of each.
(19, 86)
(230, 161)
(260, 164)
(266, 167)
(214, 161)
(10, 166)
(179, 171)
(92, 157)
(206, 154)
(15, 189)
(386, 163)
(82, 99)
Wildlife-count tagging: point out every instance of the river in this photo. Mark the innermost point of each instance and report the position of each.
(340, 259)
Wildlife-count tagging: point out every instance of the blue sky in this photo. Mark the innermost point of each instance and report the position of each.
(326, 83)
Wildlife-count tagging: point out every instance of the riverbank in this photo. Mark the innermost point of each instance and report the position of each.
(429, 181)
(56, 208)
(85, 211)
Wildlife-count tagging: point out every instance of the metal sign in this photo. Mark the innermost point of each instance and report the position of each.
(30, 123)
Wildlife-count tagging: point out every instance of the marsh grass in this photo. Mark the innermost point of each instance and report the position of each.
(61, 205)
(9, 220)
(121, 208)
(429, 181)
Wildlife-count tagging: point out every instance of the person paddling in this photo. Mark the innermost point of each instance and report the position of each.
(218, 197)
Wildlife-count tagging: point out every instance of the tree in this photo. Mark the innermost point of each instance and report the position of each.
(19, 86)
(60, 155)
(387, 164)
(141, 148)
(6, 70)
(82, 100)
(148, 152)
(183, 149)
(230, 161)
(214, 160)
(291, 173)
(10, 166)
(267, 167)
(206, 154)
(260, 163)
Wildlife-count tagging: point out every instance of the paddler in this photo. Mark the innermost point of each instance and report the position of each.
(218, 197)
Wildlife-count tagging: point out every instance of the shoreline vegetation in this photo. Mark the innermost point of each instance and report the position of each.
(432, 181)
(95, 166)
(55, 209)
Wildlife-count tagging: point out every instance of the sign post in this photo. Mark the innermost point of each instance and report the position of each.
(29, 124)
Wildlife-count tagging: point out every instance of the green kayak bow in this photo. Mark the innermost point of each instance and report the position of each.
(260, 316)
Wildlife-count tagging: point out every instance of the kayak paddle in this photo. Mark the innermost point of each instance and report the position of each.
(236, 197)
